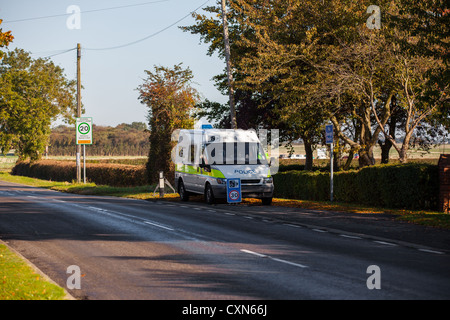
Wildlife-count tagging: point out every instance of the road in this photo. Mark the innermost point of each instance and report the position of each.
(136, 249)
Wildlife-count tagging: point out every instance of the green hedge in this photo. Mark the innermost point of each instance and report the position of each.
(102, 174)
(409, 186)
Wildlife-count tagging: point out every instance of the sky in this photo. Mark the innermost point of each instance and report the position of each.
(110, 77)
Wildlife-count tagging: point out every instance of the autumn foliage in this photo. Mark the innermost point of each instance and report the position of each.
(170, 98)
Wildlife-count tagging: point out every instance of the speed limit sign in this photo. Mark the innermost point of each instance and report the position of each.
(234, 190)
(84, 130)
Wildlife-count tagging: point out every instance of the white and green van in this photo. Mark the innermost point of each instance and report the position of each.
(206, 158)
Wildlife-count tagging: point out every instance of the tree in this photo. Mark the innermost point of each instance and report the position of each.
(321, 55)
(5, 39)
(170, 98)
(388, 81)
(33, 93)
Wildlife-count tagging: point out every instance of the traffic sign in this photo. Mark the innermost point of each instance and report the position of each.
(329, 133)
(84, 130)
(234, 194)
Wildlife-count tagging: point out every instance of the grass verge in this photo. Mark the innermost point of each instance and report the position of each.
(18, 281)
(422, 217)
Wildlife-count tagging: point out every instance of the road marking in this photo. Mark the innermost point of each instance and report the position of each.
(385, 243)
(229, 213)
(291, 225)
(158, 225)
(255, 253)
(274, 259)
(319, 230)
(34, 197)
(431, 251)
(248, 217)
(350, 237)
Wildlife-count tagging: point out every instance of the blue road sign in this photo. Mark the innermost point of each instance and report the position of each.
(234, 190)
(329, 133)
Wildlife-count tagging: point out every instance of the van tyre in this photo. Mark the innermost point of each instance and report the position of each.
(266, 201)
(184, 195)
(209, 195)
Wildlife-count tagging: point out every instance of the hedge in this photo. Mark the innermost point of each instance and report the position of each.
(117, 175)
(409, 186)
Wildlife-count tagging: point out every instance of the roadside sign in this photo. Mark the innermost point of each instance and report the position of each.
(84, 130)
(329, 133)
(234, 190)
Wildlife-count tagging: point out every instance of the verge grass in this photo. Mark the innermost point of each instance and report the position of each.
(19, 281)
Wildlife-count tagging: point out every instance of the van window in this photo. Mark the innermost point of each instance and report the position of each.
(232, 153)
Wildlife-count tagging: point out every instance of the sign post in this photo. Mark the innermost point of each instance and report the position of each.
(234, 194)
(83, 137)
(329, 140)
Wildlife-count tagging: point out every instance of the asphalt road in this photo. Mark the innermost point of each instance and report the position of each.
(135, 249)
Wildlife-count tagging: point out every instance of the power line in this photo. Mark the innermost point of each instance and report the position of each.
(62, 52)
(151, 35)
(58, 52)
(87, 11)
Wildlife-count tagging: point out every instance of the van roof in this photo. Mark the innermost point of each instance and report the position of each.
(224, 135)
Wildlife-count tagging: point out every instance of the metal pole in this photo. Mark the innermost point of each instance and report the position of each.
(229, 73)
(78, 110)
(84, 163)
(331, 172)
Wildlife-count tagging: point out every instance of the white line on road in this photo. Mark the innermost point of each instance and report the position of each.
(386, 243)
(158, 225)
(291, 225)
(319, 230)
(274, 259)
(350, 237)
(431, 251)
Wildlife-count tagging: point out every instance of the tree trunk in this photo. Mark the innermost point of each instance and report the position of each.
(309, 153)
(366, 157)
(385, 148)
(387, 145)
(348, 163)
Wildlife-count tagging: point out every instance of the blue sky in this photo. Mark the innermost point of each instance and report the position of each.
(110, 77)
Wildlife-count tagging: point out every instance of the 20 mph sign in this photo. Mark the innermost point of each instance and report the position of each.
(84, 130)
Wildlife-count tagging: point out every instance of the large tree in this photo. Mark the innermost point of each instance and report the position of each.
(33, 93)
(320, 55)
(170, 98)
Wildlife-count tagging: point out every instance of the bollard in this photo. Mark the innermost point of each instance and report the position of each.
(161, 184)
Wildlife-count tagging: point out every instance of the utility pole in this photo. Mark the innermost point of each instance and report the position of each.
(229, 74)
(78, 110)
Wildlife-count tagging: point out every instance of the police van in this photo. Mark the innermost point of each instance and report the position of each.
(206, 158)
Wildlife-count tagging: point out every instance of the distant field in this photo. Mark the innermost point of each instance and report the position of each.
(416, 155)
(432, 156)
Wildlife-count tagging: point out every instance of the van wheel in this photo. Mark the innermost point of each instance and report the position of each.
(266, 201)
(209, 195)
(184, 195)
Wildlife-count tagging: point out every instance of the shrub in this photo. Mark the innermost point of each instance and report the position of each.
(103, 174)
(411, 186)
